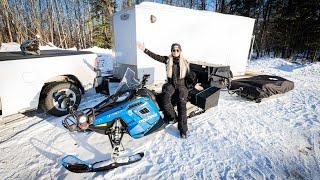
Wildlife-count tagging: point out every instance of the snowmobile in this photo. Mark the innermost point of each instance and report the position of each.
(31, 47)
(132, 109)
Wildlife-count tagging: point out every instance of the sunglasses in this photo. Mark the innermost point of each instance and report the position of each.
(175, 50)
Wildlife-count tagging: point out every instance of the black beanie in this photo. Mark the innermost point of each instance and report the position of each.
(176, 45)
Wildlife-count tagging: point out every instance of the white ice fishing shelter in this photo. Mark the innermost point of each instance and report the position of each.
(205, 36)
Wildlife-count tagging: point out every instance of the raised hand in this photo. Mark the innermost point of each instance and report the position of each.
(140, 46)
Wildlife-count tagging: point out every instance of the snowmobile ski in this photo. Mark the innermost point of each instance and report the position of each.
(74, 164)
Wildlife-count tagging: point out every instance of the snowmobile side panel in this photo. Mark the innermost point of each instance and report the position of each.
(139, 114)
(157, 127)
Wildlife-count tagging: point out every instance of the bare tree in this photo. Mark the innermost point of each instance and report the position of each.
(5, 8)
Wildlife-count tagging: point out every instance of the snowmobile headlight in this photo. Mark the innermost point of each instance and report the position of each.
(83, 119)
(83, 122)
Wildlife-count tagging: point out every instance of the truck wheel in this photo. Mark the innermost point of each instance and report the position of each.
(57, 95)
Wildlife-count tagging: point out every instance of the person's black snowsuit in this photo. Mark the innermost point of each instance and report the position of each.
(175, 84)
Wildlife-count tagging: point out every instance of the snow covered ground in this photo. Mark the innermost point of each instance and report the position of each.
(278, 138)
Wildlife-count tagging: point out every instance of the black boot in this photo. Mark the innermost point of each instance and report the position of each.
(173, 120)
(170, 120)
(183, 135)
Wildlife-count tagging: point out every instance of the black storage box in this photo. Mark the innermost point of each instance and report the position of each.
(206, 98)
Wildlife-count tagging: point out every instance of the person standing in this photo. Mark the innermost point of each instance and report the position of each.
(177, 68)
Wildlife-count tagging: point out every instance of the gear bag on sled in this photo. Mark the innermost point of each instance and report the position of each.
(258, 87)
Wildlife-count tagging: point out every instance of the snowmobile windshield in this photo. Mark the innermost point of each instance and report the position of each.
(128, 82)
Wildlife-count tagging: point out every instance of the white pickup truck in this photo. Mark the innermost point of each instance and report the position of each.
(32, 81)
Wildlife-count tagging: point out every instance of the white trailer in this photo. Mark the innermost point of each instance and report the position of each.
(205, 37)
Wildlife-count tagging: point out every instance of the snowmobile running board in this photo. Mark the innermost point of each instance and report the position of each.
(74, 164)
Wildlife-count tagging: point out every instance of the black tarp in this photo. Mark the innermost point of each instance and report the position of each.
(262, 86)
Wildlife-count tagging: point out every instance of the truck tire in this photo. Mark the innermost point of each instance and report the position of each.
(56, 94)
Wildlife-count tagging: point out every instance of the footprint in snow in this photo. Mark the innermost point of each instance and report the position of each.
(248, 155)
(268, 162)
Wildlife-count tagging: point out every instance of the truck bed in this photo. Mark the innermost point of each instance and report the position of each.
(17, 55)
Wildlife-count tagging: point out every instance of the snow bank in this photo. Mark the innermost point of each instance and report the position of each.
(13, 46)
(293, 71)
(239, 139)
(10, 47)
(49, 46)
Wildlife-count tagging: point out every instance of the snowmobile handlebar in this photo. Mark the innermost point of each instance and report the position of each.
(144, 80)
(113, 98)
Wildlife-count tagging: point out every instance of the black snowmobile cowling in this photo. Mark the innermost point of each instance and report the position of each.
(258, 87)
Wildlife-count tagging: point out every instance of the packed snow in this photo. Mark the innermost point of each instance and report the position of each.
(278, 138)
(13, 46)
